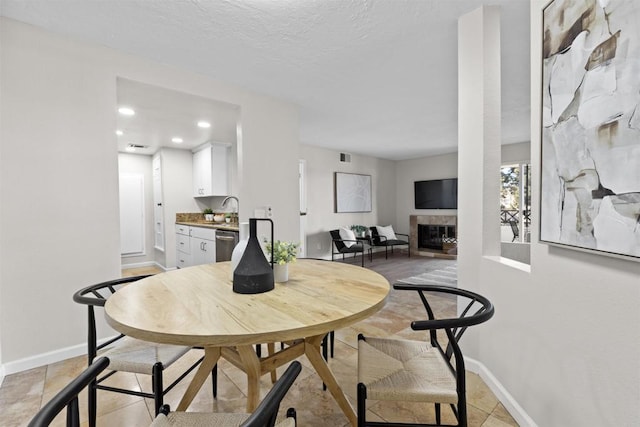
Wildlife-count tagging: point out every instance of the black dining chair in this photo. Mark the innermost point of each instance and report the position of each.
(128, 354)
(430, 371)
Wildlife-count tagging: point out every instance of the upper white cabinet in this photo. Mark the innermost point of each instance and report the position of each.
(210, 170)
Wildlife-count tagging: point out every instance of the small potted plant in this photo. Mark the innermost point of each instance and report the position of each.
(227, 217)
(283, 254)
(208, 215)
(359, 230)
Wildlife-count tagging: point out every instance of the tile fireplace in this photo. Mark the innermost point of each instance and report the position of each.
(429, 235)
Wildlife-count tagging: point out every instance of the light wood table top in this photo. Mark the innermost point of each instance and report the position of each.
(196, 306)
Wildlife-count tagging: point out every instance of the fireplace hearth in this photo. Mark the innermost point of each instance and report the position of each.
(431, 236)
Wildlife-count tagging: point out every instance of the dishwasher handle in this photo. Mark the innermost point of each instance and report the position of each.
(225, 238)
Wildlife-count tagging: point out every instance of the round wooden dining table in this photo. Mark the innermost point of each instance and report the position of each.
(196, 306)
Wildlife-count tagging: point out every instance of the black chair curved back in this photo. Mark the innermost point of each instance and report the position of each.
(68, 397)
(96, 296)
(477, 309)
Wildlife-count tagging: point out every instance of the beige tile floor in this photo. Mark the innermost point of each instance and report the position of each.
(22, 394)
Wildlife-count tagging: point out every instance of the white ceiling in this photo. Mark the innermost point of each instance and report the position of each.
(374, 77)
(162, 114)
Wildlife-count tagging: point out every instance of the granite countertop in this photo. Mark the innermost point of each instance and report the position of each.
(215, 225)
(197, 220)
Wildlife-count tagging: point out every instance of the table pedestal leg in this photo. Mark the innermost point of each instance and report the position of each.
(312, 351)
(271, 348)
(211, 356)
(252, 369)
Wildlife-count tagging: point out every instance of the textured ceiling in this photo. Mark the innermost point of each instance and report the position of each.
(371, 77)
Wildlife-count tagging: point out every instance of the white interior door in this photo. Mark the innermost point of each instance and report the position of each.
(131, 214)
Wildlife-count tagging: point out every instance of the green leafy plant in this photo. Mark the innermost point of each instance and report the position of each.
(227, 215)
(283, 252)
(207, 211)
(358, 228)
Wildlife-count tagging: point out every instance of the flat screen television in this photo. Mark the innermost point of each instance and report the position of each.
(436, 194)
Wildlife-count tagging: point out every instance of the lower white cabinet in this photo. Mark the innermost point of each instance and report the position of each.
(203, 245)
(183, 246)
(194, 245)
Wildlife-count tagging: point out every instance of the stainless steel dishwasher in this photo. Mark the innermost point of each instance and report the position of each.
(225, 242)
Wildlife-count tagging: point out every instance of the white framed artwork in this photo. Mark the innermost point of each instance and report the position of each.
(590, 159)
(352, 192)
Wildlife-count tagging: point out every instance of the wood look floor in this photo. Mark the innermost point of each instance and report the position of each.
(22, 394)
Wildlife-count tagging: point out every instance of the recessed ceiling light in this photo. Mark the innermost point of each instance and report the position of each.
(119, 132)
(204, 125)
(126, 111)
(177, 140)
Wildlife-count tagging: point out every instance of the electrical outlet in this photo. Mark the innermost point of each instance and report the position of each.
(269, 212)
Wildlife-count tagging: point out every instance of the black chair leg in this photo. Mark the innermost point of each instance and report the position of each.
(438, 422)
(332, 340)
(214, 380)
(325, 355)
(92, 403)
(156, 384)
(362, 398)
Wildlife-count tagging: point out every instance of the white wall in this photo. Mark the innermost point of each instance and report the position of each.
(141, 164)
(564, 339)
(59, 220)
(321, 216)
(516, 153)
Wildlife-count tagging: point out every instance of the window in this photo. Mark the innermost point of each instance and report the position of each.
(515, 207)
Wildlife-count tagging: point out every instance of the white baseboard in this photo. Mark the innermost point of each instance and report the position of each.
(517, 412)
(43, 359)
(46, 358)
(143, 264)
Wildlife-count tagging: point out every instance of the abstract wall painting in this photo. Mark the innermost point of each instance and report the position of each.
(352, 192)
(590, 171)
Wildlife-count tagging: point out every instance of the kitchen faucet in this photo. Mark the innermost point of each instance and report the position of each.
(226, 199)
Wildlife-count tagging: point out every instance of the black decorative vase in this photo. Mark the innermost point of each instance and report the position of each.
(254, 274)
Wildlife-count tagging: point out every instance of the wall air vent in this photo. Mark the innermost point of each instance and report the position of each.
(345, 158)
(133, 147)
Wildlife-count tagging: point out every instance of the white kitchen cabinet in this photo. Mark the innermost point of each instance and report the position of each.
(211, 170)
(203, 245)
(183, 246)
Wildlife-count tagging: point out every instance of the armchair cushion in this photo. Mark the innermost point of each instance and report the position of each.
(386, 232)
(348, 236)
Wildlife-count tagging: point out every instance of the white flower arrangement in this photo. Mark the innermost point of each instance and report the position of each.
(283, 252)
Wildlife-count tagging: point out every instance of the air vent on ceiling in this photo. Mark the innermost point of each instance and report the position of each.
(345, 158)
(137, 146)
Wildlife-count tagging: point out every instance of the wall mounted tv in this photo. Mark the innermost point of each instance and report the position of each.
(436, 194)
